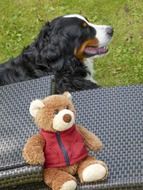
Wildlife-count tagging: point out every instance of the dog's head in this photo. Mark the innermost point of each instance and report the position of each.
(75, 35)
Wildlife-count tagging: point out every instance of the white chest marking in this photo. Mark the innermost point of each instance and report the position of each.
(89, 63)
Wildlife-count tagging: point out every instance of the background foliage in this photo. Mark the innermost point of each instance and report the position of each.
(21, 20)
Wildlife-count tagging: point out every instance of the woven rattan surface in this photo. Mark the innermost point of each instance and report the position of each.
(114, 114)
(16, 126)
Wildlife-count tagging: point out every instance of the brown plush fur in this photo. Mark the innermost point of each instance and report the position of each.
(82, 165)
(87, 162)
(44, 118)
(33, 149)
(55, 178)
(91, 141)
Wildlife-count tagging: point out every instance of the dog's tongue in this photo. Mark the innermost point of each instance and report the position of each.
(95, 51)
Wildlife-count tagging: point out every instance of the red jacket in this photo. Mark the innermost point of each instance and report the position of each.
(63, 148)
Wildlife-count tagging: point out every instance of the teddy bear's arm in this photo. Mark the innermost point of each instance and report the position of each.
(91, 140)
(33, 150)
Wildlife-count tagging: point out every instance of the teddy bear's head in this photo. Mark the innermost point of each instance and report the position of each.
(54, 113)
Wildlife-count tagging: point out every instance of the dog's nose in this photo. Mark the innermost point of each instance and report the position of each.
(67, 118)
(109, 31)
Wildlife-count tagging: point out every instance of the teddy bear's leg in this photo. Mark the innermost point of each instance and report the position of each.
(91, 170)
(59, 180)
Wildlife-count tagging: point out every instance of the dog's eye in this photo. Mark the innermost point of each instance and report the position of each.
(84, 25)
(56, 111)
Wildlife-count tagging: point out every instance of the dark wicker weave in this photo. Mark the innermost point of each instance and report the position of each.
(114, 114)
(16, 126)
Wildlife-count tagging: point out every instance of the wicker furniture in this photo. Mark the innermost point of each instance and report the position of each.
(114, 114)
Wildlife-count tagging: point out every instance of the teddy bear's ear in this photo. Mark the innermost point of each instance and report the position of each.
(35, 106)
(68, 95)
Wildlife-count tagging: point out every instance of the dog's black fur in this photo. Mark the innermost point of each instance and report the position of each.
(53, 53)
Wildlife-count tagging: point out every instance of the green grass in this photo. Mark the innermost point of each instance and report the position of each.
(21, 20)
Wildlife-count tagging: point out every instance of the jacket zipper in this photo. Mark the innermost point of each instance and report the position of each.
(63, 149)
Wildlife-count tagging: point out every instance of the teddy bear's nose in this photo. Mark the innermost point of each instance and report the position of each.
(67, 118)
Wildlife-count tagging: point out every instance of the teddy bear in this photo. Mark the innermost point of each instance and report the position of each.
(61, 145)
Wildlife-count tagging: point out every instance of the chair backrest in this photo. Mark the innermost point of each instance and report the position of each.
(16, 126)
(114, 114)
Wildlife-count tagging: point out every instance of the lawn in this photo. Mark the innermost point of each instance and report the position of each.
(21, 20)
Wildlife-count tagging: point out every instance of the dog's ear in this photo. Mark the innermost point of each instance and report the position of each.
(55, 51)
(55, 40)
(56, 47)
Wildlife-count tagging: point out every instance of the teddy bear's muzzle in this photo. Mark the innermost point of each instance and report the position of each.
(67, 118)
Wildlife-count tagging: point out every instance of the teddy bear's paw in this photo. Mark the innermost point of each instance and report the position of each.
(95, 172)
(34, 159)
(69, 185)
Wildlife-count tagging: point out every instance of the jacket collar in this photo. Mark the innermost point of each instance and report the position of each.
(68, 131)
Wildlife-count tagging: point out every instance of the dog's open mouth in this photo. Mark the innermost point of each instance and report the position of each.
(89, 49)
(92, 51)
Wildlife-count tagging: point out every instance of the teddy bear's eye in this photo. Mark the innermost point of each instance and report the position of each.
(67, 107)
(56, 111)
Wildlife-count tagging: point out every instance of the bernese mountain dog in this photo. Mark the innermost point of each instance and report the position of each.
(65, 48)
